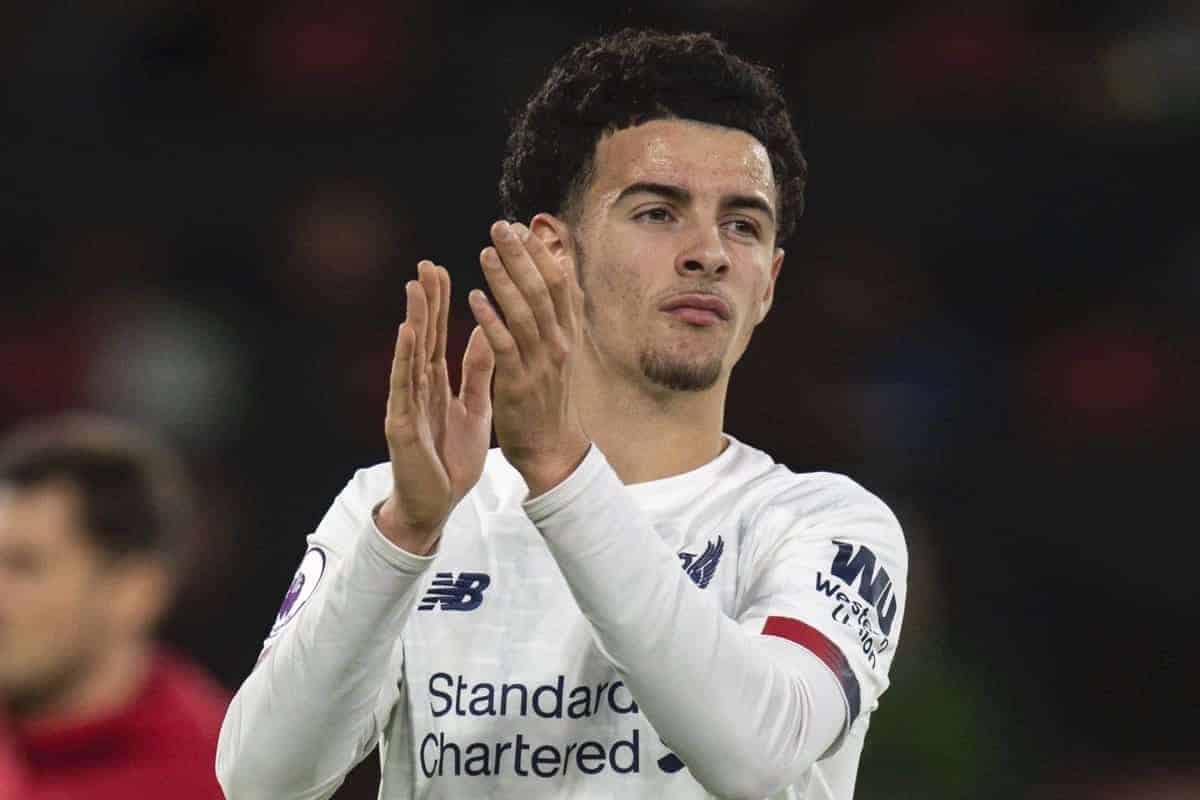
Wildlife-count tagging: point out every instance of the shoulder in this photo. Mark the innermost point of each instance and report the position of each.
(182, 695)
(777, 490)
(174, 731)
(819, 506)
(817, 498)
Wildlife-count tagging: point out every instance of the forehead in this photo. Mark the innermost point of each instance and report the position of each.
(695, 155)
(42, 516)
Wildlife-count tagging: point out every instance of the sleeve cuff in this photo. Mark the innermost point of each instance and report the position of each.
(392, 554)
(540, 508)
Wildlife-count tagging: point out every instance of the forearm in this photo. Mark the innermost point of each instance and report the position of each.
(737, 708)
(303, 716)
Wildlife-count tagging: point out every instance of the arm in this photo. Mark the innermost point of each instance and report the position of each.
(320, 695)
(317, 700)
(748, 706)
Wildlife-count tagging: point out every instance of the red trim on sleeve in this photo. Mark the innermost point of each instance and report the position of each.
(823, 648)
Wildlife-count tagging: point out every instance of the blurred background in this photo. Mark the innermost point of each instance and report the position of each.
(988, 315)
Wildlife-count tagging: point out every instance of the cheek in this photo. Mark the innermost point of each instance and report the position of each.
(754, 304)
(760, 285)
(61, 605)
(613, 282)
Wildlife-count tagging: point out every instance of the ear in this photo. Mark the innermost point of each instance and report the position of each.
(555, 234)
(769, 293)
(142, 589)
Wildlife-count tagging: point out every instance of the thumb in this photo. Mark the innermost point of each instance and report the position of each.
(478, 364)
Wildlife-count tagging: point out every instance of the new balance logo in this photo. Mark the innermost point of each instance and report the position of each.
(463, 593)
(701, 568)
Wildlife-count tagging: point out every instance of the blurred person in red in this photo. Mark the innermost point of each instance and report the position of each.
(93, 523)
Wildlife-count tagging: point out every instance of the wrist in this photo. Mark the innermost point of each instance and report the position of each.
(543, 472)
(419, 540)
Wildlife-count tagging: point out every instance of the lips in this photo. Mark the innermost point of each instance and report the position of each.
(697, 308)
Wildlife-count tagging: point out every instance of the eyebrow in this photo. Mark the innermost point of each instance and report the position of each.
(682, 196)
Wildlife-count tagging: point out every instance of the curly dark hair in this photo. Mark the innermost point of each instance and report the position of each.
(625, 79)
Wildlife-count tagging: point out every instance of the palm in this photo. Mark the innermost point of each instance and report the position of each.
(437, 442)
(460, 438)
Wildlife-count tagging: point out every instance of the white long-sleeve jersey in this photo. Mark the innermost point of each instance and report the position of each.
(725, 632)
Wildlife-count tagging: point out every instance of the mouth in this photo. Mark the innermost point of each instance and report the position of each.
(695, 308)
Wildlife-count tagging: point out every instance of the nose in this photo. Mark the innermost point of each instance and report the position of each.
(704, 256)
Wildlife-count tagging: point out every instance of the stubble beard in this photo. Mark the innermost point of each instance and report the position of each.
(678, 374)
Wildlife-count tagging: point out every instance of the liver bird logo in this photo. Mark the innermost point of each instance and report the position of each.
(701, 568)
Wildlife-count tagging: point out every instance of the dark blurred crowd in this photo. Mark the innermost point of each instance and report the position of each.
(988, 315)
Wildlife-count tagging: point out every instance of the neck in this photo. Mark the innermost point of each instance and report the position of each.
(648, 432)
(107, 685)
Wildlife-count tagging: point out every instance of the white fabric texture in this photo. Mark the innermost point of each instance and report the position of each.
(600, 640)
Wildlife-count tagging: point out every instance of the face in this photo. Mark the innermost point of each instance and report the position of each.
(676, 251)
(53, 591)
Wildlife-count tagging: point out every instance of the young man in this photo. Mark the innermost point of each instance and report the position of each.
(91, 515)
(620, 601)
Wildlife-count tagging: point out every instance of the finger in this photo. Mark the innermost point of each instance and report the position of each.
(443, 315)
(400, 386)
(499, 338)
(418, 318)
(557, 279)
(479, 362)
(518, 316)
(427, 275)
(511, 244)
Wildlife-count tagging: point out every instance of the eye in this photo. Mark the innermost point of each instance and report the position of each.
(21, 563)
(743, 227)
(656, 214)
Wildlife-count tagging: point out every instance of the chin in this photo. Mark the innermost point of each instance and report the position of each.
(680, 374)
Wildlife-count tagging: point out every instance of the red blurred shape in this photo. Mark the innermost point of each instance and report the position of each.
(1101, 384)
(953, 49)
(338, 44)
(1107, 378)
